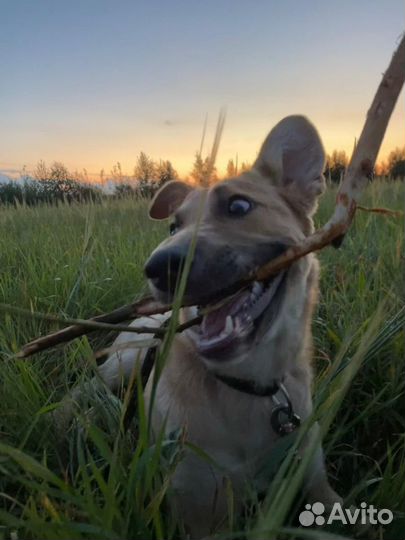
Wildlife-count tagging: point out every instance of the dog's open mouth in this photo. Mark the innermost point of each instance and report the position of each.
(236, 320)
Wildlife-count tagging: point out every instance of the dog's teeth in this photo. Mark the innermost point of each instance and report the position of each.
(257, 288)
(228, 325)
(238, 323)
(256, 292)
(247, 319)
(243, 325)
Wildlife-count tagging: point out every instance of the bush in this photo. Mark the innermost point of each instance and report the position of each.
(34, 192)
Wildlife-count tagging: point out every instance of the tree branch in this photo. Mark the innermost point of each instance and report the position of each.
(144, 307)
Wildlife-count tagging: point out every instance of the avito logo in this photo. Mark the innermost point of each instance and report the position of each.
(366, 515)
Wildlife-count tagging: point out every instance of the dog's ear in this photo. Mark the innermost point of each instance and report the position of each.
(168, 199)
(294, 158)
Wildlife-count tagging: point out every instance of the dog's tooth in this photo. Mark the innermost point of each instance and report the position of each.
(246, 319)
(242, 325)
(238, 323)
(228, 325)
(257, 288)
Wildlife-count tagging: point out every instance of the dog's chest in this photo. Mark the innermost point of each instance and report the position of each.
(233, 429)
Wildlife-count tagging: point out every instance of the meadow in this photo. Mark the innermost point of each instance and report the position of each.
(103, 482)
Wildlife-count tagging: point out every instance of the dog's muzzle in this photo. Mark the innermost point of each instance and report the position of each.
(230, 325)
(164, 267)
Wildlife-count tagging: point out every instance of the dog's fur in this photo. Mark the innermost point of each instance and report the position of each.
(230, 426)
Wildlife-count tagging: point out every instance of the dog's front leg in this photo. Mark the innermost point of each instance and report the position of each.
(127, 355)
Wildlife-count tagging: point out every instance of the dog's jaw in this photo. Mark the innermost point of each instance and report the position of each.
(265, 358)
(230, 327)
(275, 347)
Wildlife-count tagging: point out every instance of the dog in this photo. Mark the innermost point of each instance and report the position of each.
(219, 376)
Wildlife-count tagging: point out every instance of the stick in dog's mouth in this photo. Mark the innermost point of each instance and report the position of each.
(237, 320)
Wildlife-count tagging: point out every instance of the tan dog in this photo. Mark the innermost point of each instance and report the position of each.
(215, 373)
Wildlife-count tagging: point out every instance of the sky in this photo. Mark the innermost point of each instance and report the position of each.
(93, 82)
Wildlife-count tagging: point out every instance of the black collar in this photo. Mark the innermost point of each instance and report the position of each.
(249, 387)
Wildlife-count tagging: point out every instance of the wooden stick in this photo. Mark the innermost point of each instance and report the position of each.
(383, 211)
(110, 321)
(358, 174)
(96, 323)
(144, 307)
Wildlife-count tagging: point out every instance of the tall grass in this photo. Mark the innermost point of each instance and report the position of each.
(105, 482)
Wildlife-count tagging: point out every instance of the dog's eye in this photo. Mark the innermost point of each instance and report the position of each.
(239, 206)
(173, 228)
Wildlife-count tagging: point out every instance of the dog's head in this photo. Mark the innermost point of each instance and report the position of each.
(236, 226)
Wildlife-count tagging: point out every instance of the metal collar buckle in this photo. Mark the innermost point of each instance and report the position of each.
(283, 426)
(283, 419)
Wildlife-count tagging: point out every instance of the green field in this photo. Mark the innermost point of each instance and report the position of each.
(105, 483)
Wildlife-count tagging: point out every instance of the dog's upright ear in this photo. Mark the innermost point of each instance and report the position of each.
(293, 157)
(168, 199)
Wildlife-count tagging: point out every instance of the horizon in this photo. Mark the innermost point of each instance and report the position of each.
(92, 85)
(103, 176)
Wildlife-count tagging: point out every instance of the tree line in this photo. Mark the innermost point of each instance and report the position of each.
(393, 168)
(336, 163)
(55, 184)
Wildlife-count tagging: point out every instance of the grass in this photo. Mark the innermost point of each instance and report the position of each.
(103, 482)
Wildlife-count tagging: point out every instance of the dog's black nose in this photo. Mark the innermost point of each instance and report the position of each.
(164, 268)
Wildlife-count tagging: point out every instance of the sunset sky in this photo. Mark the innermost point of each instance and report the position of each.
(93, 82)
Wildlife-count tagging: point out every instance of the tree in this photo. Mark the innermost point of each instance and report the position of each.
(59, 173)
(203, 172)
(144, 170)
(336, 164)
(232, 169)
(398, 170)
(41, 172)
(145, 175)
(396, 163)
(56, 181)
(165, 172)
(197, 174)
(245, 166)
(57, 184)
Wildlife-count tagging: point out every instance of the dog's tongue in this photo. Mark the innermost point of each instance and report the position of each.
(214, 322)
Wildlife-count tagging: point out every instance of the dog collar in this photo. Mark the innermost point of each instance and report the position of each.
(249, 387)
(283, 419)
